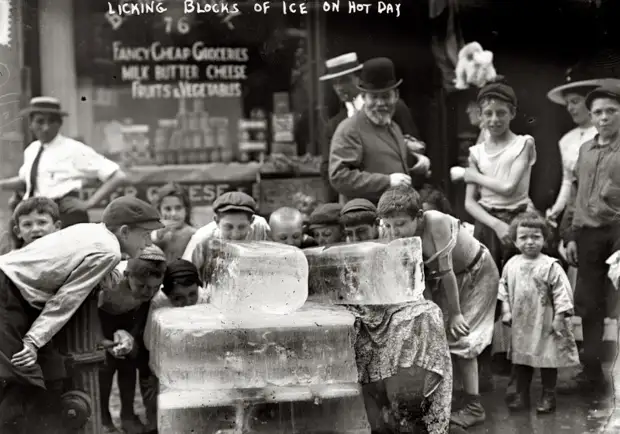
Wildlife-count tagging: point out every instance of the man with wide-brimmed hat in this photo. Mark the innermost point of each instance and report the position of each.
(591, 225)
(343, 75)
(56, 166)
(369, 151)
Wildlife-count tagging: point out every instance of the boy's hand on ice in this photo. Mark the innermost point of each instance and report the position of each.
(26, 357)
(507, 319)
(124, 344)
(458, 327)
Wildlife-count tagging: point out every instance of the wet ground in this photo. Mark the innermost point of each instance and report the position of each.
(576, 414)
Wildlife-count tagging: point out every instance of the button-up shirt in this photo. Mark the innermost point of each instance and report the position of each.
(597, 182)
(57, 272)
(64, 166)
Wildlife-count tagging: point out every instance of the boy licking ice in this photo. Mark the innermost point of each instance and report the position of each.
(44, 283)
(324, 224)
(124, 303)
(358, 219)
(287, 227)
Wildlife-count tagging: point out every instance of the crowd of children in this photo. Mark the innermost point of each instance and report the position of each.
(477, 277)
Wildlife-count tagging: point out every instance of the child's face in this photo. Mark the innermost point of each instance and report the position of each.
(35, 225)
(359, 233)
(133, 240)
(233, 226)
(143, 288)
(325, 235)
(290, 233)
(529, 241)
(400, 226)
(172, 209)
(182, 296)
(496, 116)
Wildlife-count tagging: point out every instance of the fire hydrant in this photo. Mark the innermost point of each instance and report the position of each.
(80, 342)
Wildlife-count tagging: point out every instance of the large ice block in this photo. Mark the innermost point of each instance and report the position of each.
(199, 347)
(367, 273)
(261, 277)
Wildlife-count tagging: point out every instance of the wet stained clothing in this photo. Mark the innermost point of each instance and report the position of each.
(536, 290)
(476, 275)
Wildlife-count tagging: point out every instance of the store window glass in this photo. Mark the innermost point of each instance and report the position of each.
(176, 88)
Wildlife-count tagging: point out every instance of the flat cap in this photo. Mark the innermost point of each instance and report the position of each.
(131, 211)
(606, 91)
(325, 215)
(152, 253)
(234, 201)
(500, 91)
(358, 204)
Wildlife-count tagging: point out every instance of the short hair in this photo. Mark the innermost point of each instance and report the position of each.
(42, 205)
(397, 200)
(356, 218)
(174, 190)
(286, 214)
(435, 197)
(532, 220)
(145, 268)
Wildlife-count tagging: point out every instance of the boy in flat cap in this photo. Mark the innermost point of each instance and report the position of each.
(287, 227)
(44, 283)
(592, 231)
(324, 224)
(235, 219)
(358, 219)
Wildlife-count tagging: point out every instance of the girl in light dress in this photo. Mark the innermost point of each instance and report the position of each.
(537, 304)
(172, 202)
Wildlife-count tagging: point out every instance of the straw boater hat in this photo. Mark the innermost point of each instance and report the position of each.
(378, 76)
(43, 104)
(602, 68)
(341, 65)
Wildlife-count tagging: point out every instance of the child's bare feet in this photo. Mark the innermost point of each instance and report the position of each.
(133, 425)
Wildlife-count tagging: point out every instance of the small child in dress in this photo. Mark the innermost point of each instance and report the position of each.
(537, 303)
(235, 219)
(324, 224)
(124, 303)
(181, 287)
(358, 219)
(176, 210)
(287, 227)
(34, 218)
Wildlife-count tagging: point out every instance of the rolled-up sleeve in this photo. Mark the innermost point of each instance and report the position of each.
(93, 165)
(345, 166)
(62, 306)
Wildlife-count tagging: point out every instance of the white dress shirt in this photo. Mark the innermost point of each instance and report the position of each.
(355, 106)
(64, 165)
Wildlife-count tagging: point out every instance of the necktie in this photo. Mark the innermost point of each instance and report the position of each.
(34, 172)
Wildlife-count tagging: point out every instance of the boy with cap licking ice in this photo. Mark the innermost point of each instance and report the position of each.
(324, 224)
(235, 219)
(287, 227)
(358, 219)
(43, 284)
(124, 302)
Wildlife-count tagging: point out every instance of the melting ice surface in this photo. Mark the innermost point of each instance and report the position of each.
(201, 347)
(258, 277)
(374, 272)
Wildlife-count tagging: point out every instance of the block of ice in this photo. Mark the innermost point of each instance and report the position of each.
(341, 411)
(199, 347)
(258, 277)
(372, 272)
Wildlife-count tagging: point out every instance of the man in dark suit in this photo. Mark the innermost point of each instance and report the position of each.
(342, 73)
(369, 150)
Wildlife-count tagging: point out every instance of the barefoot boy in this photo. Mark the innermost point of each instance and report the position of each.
(44, 283)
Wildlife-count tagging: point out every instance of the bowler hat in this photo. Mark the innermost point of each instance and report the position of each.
(601, 68)
(378, 76)
(43, 104)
